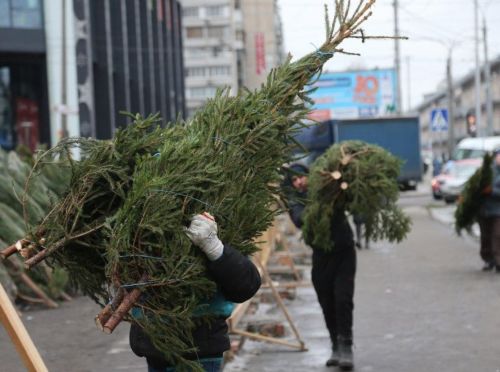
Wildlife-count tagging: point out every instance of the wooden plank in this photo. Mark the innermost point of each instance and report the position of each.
(238, 313)
(280, 303)
(19, 336)
(272, 340)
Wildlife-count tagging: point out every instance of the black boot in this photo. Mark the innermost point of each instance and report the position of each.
(346, 362)
(334, 358)
(488, 266)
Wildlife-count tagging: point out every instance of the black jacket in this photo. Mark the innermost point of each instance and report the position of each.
(340, 231)
(238, 280)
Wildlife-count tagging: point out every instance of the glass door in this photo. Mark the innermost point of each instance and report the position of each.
(6, 117)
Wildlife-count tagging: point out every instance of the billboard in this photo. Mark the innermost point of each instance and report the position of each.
(354, 94)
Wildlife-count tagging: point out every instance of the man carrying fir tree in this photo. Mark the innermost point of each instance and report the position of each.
(489, 219)
(237, 280)
(333, 272)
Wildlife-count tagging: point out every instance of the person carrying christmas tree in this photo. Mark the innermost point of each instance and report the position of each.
(237, 280)
(489, 220)
(333, 272)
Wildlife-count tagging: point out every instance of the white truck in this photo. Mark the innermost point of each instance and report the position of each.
(472, 148)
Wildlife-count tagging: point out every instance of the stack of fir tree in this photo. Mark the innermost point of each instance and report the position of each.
(360, 179)
(119, 229)
(14, 172)
(473, 195)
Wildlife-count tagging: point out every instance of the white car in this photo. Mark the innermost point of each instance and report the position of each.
(457, 174)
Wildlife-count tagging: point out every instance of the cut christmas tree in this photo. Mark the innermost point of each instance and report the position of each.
(43, 284)
(473, 195)
(360, 179)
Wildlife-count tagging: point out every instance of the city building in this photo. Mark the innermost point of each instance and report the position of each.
(228, 44)
(264, 47)
(24, 105)
(463, 120)
(69, 67)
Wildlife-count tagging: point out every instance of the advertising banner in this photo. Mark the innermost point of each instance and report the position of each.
(354, 94)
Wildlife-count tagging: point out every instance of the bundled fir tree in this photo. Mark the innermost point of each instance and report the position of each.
(472, 196)
(360, 179)
(119, 229)
(15, 206)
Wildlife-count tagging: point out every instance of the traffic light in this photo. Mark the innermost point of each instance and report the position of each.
(470, 122)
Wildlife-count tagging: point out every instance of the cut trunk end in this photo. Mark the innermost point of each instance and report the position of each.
(17, 247)
(9, 251)
(116, 317)
(102, 318)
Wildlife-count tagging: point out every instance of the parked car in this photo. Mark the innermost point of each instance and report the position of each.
(449, 184)
(440, 179)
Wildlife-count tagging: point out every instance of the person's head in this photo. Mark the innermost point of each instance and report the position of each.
(298, 176)
(497, 158)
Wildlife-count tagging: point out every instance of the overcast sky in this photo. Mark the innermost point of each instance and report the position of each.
(432, 26)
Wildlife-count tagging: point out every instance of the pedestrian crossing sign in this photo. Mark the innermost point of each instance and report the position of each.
(439, 120)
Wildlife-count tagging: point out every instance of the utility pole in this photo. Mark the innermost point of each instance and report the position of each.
(487, 78)
(397, 59)
(451, 104)
(408, 82)
(64, 98)
(479, 124)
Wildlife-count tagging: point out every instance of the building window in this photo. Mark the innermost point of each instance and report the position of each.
(191, 11)
(194, 32)
(217, 31)
(6, 127)
(216, 10)
(195, 71)
(24, 13)
(219, 71)
(5, 13)
(197, 52)
(201, 92)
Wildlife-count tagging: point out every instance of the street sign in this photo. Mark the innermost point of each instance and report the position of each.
(439, 120)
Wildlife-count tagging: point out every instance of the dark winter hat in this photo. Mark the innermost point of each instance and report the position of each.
(294, 169)
(297, 169)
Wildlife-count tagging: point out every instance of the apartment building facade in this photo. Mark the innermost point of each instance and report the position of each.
(464, 110)
(228, 44)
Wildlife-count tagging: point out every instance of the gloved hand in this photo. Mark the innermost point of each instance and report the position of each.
(203, 233)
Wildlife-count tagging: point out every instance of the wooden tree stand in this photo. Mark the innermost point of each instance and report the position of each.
(260, 261)
(286, 257)
(19, 336)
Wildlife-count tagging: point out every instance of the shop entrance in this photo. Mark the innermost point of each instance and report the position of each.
(23, 103)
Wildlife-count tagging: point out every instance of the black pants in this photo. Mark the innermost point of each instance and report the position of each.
(333, 279)
(490, 239)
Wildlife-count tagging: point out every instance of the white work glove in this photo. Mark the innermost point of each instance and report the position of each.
(203, 233)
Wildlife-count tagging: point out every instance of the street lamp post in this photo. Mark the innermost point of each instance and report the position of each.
(477, 75)
(451, 104)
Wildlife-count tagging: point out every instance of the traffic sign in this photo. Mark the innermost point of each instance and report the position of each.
(439, 120)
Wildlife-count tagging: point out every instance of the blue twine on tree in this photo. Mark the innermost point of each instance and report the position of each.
(141, 256)
(140, 284)
(321, 53)
(186, 195)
